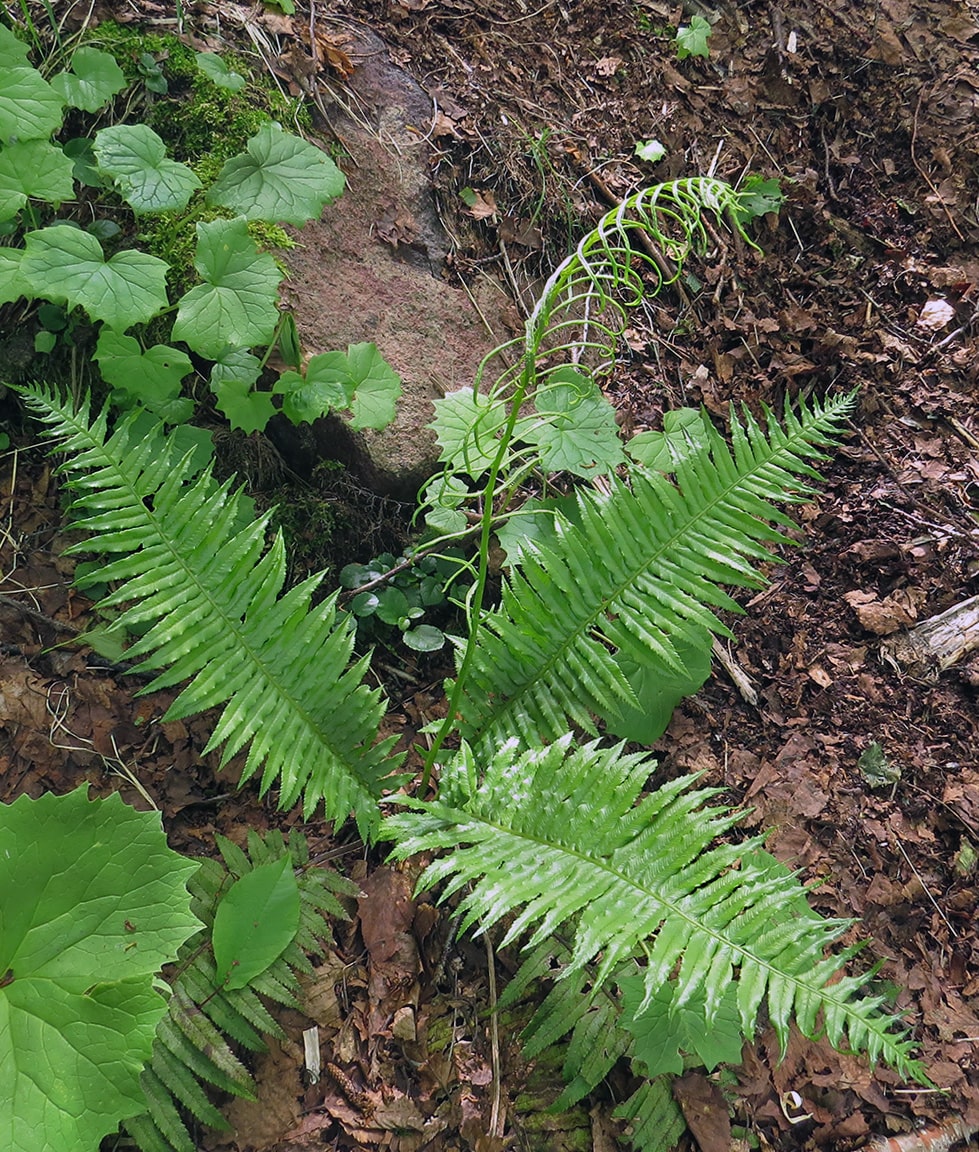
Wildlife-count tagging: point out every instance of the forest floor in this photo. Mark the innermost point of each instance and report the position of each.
(866, 112)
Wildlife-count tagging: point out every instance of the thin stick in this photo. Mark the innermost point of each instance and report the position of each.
(495, 1126)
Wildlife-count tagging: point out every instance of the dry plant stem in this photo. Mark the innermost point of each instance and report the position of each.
(38, 617)
(496, 1127)
(740, 678)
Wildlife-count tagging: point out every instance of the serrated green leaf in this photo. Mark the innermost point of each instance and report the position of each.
(691, 39)
(30, 109)
(684, 435)
(255, 923)
(136, 160)
(12, 283)
(236, 306)
(151, 378)
(532, 524)
(662, 1034)
(574, 428)
(465, 425)
(280, 178)
(94, 903)
(35, 168)
(235, 366)
(67, 265)
(14, 53)
(757, 197)
(359, 379)
(307, 398)
(244, 407)
(650, 150)
(95, 78)
(215, 69)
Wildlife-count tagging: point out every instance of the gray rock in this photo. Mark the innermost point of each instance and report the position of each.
(371, 268)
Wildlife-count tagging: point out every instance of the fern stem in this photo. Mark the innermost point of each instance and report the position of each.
(475, 607)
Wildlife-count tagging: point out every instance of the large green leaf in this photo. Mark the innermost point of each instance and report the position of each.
(95, 78)
(235, 307)
(151, 378)
(94, 903)
(280, 178)
(12, 283)
(135, 157)
(359, 379)
(67, 265)
(30, 109)
(466, 425)
(14, 53)
(574, 427)
(34, 168)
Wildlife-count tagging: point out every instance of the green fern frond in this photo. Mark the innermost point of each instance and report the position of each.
(562, 834)
(655, 1120)
(212, 595)
(184, 1086)
(164, 1114)
(638, 572)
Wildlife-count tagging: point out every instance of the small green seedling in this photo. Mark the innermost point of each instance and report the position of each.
(691, 39)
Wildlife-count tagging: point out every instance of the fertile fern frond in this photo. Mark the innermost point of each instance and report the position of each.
(211, 593)
(561, 834)
(193, 1045)
(637, 572)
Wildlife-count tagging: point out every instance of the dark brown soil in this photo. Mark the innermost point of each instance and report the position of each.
(866, 110)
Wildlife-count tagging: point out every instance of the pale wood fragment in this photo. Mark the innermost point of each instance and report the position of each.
(937, 643)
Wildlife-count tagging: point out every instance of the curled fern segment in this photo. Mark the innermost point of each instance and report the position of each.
(211, 592)
(561, 836)
(639, 571)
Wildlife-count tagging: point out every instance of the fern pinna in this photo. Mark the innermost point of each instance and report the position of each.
(195, 1041)
(209, 589)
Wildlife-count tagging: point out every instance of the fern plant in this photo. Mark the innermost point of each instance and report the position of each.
(209, 589)
(543, 831)
(195, 1041)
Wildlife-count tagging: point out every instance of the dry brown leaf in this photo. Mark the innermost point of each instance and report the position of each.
(483, 206)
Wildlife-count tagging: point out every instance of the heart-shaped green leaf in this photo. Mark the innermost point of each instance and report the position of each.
(135, 157)
(279, 178)
(67, 265)
(151, 378)
(95, 78)
(35, 168)
(236, 306)
(30, 109)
